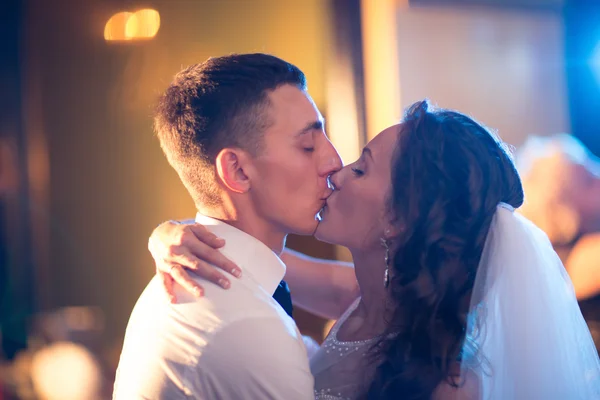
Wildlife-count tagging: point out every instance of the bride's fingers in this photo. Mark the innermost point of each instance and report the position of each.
(206, 236)
(202, 244)
(167, 283)
(210, 273)
(181, 276)
(206, 270)
(195, 241)
(200, 267)
(209, 255)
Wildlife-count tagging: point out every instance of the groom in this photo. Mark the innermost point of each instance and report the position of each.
(248, 143)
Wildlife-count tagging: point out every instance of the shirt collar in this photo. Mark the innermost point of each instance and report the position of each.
(250, 254)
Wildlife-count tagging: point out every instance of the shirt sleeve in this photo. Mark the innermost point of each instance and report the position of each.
(256, 359)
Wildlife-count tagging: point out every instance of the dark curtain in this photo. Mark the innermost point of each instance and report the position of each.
(15, 267)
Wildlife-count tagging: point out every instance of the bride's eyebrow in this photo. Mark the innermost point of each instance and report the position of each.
(367, 152)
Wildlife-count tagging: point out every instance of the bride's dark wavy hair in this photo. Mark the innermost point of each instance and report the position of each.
(448, 175)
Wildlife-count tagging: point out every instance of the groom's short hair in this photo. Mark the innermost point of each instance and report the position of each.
(222, 102)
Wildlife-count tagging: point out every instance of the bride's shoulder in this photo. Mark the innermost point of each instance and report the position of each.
(466, 387)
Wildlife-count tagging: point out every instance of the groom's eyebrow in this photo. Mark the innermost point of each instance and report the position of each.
(311, 126)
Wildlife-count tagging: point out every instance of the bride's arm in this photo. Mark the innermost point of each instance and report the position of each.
(323, 287)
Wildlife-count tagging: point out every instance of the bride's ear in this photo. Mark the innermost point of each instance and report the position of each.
(387, 235)
(391, 229)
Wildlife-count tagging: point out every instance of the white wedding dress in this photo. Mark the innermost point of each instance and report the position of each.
(340, 368)
(524, 325)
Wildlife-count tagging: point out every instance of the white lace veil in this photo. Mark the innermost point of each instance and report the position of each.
(526, 337)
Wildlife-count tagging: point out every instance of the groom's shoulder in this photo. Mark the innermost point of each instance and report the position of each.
(218, 308)
(224, 333)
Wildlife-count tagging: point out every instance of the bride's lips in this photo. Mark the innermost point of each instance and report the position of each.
(319, 215)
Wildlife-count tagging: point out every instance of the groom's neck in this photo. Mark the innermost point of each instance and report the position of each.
(249, 222)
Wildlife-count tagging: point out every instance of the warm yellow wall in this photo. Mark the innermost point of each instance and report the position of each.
(109, 184)
(504, 67)
(380, 59)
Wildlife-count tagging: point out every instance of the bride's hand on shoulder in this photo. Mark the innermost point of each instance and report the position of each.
(178, 248)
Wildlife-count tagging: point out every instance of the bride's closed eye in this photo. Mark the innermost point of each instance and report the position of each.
(357, 172)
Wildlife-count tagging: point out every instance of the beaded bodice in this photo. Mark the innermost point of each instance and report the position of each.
(340, 368)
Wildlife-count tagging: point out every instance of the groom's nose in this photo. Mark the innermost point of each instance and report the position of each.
(331, 162)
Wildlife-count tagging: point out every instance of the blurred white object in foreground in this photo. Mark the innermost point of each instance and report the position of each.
(66, 371)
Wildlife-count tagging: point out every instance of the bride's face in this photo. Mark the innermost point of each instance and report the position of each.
(355, 215)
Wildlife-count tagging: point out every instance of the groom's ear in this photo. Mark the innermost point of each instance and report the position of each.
(231, 164)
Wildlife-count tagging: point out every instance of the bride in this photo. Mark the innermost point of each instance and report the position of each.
(455, 296)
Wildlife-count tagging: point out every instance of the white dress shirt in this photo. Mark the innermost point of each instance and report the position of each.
(230, 344)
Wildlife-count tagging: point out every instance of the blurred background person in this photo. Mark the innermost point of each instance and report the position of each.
(561, 179)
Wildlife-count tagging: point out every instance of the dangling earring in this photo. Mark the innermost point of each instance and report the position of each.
(386, 274)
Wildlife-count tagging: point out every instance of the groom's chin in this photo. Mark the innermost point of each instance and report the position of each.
(321, 233)
(307, 229)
